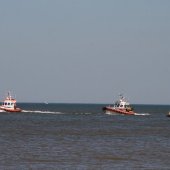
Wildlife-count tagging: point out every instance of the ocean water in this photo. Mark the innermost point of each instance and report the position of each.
(81, 136)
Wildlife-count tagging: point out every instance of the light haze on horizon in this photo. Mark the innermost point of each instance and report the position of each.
(73, 51)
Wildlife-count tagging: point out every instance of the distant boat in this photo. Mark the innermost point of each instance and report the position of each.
(119, 107)
(168, 115)
(9, 104)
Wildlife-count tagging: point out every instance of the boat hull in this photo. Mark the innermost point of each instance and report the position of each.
(111, 110)
(11, 110)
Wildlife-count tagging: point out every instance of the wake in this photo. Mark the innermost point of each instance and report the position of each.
(136, 114)
(50, 112)
(142, 114)
(39, 111)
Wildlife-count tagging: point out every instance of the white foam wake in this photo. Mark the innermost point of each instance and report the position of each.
(136, 114)
(142, 114)
(39, 111)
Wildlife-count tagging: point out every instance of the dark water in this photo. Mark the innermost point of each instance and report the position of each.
(81, 136)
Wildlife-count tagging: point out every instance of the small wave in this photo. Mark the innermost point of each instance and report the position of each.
(39, 111)
(142, 114)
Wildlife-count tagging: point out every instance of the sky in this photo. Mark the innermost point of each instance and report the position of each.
(76, 51)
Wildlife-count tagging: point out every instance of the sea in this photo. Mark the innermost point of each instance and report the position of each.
(82, 137)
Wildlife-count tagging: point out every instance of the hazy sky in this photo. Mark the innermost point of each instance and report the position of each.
(85, 51)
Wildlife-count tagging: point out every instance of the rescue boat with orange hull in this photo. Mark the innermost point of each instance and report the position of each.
(9, 104)
(119, 107)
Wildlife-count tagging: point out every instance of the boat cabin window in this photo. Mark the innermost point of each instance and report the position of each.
(8, 104)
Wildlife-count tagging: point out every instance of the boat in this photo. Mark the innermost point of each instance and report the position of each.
(168, 115)
(121, 106)
(9, 104)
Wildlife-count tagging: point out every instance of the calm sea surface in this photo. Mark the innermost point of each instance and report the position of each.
(81, 136)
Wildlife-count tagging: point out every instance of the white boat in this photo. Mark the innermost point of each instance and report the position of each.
(119, 107)
(9, 104)
(168, 115)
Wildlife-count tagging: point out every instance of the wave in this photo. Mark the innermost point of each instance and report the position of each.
(81, 113)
